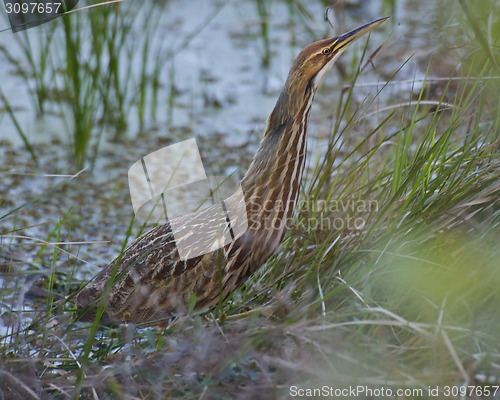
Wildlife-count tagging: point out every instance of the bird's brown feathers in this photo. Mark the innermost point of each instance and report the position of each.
(151, 281)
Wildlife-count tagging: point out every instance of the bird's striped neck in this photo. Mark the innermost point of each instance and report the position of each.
(272, 183)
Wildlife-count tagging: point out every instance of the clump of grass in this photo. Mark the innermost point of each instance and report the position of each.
(101, 81)
(80, 88)
(82, 64)
(417, 275)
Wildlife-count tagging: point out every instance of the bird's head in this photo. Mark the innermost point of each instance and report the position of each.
(316, 59)
(310, 66)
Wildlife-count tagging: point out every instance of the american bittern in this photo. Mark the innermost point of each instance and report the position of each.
(150, 281)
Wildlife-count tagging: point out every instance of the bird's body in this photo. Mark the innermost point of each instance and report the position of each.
(150, 281)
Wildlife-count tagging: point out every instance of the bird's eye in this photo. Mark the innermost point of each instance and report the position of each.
(326, 51)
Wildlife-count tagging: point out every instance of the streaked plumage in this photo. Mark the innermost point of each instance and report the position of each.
(151, 282)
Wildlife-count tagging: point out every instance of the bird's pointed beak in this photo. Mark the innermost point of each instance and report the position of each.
(343, 41)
